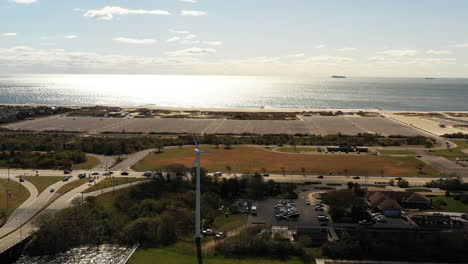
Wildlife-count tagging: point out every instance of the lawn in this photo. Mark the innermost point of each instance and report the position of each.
(249, 159)
(170, 256)
(19, 194)
(225, 224)
(452, 205)
(42, 182)
(90, 163)
(396, 152)
(296, 150)
(110, 182)
(451, 154)
(72, 185)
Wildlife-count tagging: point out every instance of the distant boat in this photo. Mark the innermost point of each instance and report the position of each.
(339, 77)
(430, 78)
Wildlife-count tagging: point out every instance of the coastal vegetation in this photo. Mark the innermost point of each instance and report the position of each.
(108, 145)
(10, 114)
(41, 160)
(157, 213)
(251, 160)
(452, 153)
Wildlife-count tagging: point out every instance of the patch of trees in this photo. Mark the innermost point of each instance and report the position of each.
(346, 205)
(400, 246)
(37, 160)
(249, 244)
(117, 146)
(456, 135)
(448, 185)
(154, 213)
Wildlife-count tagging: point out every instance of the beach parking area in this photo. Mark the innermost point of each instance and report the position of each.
(318, 125)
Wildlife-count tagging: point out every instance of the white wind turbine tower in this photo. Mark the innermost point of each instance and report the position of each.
(198, 153)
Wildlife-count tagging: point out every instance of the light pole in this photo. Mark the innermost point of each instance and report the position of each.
(82, 198)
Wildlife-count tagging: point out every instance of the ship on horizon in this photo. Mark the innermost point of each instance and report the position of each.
(339, 77)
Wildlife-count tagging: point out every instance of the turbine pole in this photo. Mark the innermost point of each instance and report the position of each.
(197, 213)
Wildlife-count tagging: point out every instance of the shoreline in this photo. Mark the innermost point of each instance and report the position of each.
(239, 109)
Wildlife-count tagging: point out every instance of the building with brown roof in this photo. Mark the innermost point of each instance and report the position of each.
(392, 203)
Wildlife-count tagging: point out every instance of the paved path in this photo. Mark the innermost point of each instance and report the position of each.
(210, 244)
(131, 160)
(106, 161)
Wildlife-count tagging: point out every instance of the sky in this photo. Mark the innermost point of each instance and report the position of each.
(364, 38)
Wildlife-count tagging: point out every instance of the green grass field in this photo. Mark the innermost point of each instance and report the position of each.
(451, 154)
(232, 222)
(452, 205)
(110, 182)
(250, 159)
(19, 194)
(170, 256)
(90, 163)
(42, 182)
(72, 185)
(296, 150)
(396, 152)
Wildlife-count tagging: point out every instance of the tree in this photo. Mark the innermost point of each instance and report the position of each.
(403, 184)
(303, 170)
(346, 171)
(283, 171)
(229, 169)
(350, 185)
(159, 146)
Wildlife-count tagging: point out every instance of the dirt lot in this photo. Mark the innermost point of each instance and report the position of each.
(323, 125)
(250, 159)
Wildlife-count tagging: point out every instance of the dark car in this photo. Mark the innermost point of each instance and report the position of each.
(320, 177)
(66, 172)
(65, 179)
(356, 177)
(265, 174)
(95, 173)
(124, 173)
(398, 178)
(21, 180)
(52, 190)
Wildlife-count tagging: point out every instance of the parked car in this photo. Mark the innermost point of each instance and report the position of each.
(124, 173)
(307, 202)
(318, 209)
(398, 178)
(82, 175)
(265, 175)
(95, 173)
(218, 174)
(322, 218)
(221, 235)
(208, 232)
(356, 177)
(148, 174)
(365, 222)
(107, 174)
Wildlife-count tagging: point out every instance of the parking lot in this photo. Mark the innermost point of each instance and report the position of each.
(266, 213)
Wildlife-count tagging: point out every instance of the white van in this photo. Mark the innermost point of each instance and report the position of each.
(253, 210)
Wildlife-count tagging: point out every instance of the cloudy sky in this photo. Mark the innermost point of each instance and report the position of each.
(397, 38)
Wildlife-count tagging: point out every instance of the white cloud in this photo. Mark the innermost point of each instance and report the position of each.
(298, 55)
(192, 13)
(191, 52)
(10, 34)
(190, 36)
(347, 49)
(189, 1)
(321, 46)
(135, 41)
(174, 39)
(438, 52)
(27, 2)
(213, 43)
(463, 45)
(71, 36)
(182, 32)
(399, 53)
(108, 12)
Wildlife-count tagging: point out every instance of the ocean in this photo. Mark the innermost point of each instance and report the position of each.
(187, 91)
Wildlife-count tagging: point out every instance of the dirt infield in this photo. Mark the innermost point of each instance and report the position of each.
(249, 159)
(318, 125)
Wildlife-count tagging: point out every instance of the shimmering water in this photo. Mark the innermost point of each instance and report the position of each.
(104, 254)
(236, 92)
